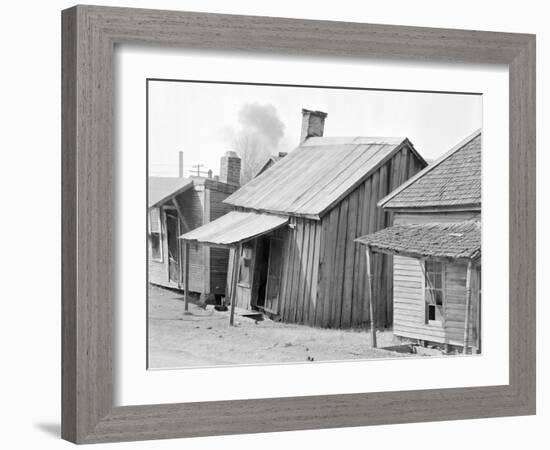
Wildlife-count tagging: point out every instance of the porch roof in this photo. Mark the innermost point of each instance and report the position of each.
(163, 189)
(435, 240)
(235, 227)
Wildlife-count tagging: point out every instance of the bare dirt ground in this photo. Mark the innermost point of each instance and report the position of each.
(203, 337)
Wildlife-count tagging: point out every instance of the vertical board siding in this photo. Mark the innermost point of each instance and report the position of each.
(322, 275)
(285, 275)
(349, 260)
(336, 291)
(299, 279)
(342, 297)
(323, 279)
(315, 282)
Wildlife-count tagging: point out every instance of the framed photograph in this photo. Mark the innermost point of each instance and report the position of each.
(278, 224)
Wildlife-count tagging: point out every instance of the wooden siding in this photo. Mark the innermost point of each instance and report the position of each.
(219, 257)
(410, 305)
(323, 280)
(207, 266)
(158, 270)
(299, 284)
(409, 319)
(192, 205)
(440, 216)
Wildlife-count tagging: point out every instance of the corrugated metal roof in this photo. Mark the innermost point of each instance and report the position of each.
(452, 180)
(235, 227)
(162, 189)
(316, 175)
(438, 240)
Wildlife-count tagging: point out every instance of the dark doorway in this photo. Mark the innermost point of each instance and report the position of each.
(274, 275)
(173, 247)
(262, 264)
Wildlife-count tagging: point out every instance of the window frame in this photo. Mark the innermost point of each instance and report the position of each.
(426, 288)
(160, 258)
(245, 264)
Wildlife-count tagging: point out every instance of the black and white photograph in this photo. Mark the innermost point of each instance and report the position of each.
(260, 225)
(302, 224)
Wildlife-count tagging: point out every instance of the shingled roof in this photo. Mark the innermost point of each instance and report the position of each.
(454, 180)
(316, 175)
(437, 240)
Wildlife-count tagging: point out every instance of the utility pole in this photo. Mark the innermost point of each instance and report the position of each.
(198, 167)
(197, 170)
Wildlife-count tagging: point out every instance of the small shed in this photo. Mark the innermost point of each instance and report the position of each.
(178, 205)
(293, 228)
(435, 242)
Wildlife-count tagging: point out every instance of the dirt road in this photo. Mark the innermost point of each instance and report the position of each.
(203, 337)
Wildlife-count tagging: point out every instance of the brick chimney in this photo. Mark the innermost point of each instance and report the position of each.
(230, 169)
(313, 124)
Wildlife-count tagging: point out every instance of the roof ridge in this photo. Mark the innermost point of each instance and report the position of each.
(429, 168)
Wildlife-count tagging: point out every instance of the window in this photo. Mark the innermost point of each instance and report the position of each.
(434, 273)
(155, 235)
(245, 266)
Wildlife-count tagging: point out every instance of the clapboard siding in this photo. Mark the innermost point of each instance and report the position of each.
(219, 257)
(409, 303)
(430, 217)
(191, 204)
(158, 270)
(207, 266)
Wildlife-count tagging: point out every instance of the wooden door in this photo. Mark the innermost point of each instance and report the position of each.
(173, 247)
(274, 275)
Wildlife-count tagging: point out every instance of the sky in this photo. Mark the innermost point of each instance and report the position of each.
(204, 120)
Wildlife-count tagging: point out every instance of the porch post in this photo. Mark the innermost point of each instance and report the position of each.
(234, 276)
(371, 302)
(186, 276)
(468, 303)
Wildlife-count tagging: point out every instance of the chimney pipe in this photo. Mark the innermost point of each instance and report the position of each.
(313, 124)
(230, 168)
(180, 164)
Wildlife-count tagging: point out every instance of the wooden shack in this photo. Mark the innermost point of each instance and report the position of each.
(293, 229)
(435, 241)
(178, 205)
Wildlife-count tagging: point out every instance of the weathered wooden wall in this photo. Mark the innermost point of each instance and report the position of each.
(158, 270)
(192, 205)
(410, 304)
(324, 274)
(299, 275)
(207, 266)
(408, 291)
(219, 257)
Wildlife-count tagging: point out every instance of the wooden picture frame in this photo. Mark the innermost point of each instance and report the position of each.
(89, 37)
